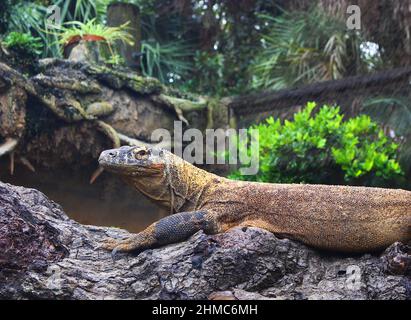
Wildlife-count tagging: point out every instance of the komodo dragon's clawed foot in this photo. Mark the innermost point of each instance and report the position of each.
(109, 244)
(171, 229)
(128, 245)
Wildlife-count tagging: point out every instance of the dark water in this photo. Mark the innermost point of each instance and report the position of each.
(108, 202)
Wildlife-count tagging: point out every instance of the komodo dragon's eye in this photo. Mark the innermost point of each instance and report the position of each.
(138, 154)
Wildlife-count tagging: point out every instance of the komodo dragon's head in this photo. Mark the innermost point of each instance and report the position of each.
(144, 168)
(135, 161)
(160, 175)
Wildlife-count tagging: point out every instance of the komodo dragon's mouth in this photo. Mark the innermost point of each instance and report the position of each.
(108, 162)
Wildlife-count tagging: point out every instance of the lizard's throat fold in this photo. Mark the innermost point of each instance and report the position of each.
(153, 186)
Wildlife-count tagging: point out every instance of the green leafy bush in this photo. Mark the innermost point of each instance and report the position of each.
(322, 148)
(23, 43)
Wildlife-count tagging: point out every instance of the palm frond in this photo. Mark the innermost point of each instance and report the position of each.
(302, 47)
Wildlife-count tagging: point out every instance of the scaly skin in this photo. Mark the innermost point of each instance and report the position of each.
(337, 218)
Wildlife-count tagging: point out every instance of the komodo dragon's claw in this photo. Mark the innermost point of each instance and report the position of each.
(110, 244)
(115, 246)
(113, 254)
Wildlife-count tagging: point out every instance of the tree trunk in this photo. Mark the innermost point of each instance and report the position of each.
(44, 254)
(118, 14)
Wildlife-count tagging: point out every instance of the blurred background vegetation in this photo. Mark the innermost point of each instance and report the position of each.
(224, 47)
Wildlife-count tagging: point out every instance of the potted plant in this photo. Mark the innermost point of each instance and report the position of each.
(92, 41)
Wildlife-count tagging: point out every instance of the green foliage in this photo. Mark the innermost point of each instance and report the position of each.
(115, 60)
(82, 10)
(322, 148)
(302, 47)
(23, 43)
(217, 47)
(209, 74)
(22, 51)
(31, 17)
(77, 28)
(169, 62)
(212, 43)
(146, 7)
(5, 8)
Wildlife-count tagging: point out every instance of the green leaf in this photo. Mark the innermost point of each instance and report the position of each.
(311, 149)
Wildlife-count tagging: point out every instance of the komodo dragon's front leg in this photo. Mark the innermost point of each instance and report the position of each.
(171, 229)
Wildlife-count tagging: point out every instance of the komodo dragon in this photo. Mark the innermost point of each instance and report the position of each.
(337, 218)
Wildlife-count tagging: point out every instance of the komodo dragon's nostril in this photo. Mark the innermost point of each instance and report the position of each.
(112, 154)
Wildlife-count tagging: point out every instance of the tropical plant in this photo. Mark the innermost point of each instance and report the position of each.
(304, 47)
(5, 8)
(31, 17)
(28, 17)
(169, 62)
(23, 43)
(322, 148)
(82, 10)
(208, 74)
(21, 51)
(74, 29)
(115, 60)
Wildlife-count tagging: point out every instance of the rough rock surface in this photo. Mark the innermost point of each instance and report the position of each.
(44, 254)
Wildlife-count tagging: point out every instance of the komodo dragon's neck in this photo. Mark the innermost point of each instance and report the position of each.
(180, 186)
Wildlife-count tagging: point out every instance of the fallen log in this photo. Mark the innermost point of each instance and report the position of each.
(46, 255)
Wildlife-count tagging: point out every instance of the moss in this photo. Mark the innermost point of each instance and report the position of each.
(125, 79)
(66, 83)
